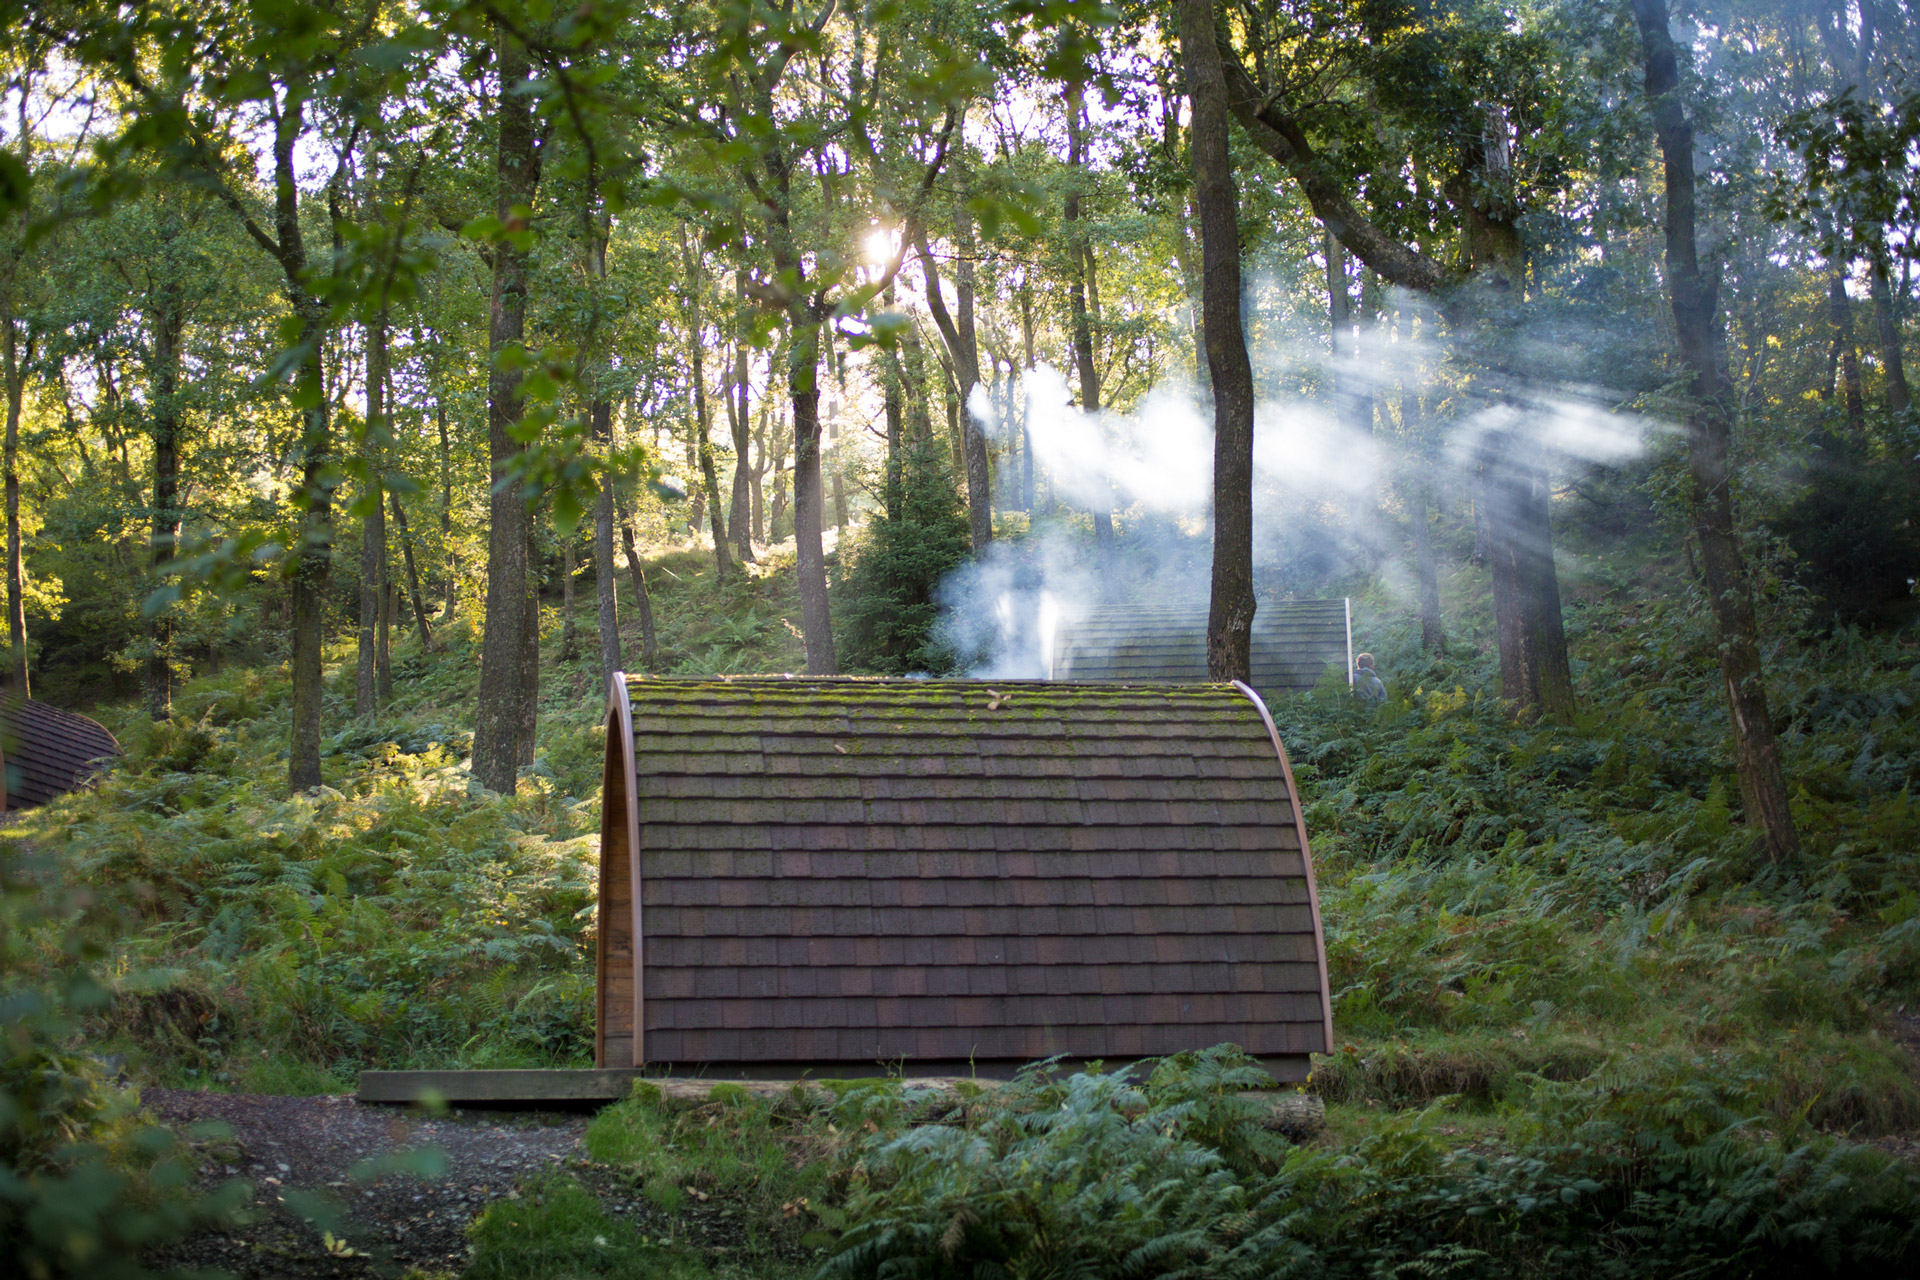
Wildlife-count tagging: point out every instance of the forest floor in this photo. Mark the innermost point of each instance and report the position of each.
(343, 1188)
(1533, 930)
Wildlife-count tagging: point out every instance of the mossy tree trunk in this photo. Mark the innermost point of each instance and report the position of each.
(505, 693)
(1886, 317)
(1230, 612)
(169, 326)
(418, 602)
(373, 526)
(739, 513)
(1079, 283)
(1695, 303)
(701, 425)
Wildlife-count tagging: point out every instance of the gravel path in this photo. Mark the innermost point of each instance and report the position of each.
(389, 1223)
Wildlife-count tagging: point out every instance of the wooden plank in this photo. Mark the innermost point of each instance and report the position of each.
(1289, 1108)
(596, 1085)
(600, 1084)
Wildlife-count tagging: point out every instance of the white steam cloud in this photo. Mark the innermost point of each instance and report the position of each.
(1325, 490)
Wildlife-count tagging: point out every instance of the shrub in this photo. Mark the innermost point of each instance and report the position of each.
(887, 609)
(85, 1186)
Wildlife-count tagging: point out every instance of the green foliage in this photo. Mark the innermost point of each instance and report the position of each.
(1080, 1176)
(397, 917)
(1506, 903)
(885, 605)
(1091, 1175)
(85, 1184)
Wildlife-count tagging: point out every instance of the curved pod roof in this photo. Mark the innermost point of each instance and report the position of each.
(835, 873)
(47, 752)
(1293, 643)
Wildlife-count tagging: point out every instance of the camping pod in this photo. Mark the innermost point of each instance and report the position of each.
(830, 875)
(1293, 643)
(46, 752)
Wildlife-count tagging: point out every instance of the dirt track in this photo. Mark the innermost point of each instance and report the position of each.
(390, 1223)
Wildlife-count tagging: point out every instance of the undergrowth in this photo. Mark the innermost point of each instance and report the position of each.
(1582, 1025)
(400, 916)
(1509, 903)
(1101, 1174)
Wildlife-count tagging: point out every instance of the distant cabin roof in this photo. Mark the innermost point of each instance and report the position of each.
(1294, 641)
(47, 751)
(837, 873)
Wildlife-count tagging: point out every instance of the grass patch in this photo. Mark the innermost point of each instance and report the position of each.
(764, 1163)
(556, 1229)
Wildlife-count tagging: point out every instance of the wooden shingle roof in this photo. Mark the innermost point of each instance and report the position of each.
(836, 873)
(46, 752)
(1293, 643)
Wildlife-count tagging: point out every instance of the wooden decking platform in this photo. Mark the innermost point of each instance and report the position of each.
(605, 1084)
(1298, 1115)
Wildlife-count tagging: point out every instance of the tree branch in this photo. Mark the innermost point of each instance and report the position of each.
(1281, 137)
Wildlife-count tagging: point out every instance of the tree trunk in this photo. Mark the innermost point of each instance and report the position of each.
(805, 314)
(310, 561)
(1840, 315)
(952, 401)
(740, 513)
(1433, 638)
(569, 626)
(1230, 614)
(642, 604)
(816, 621)
(1190, 278)
(451, 566)
(702, 425)
(1007, 472)
(504, 694)
(778, 515)
(414, 597)
(963, 359)
(1514, 501)
(1692, 293)
(169, 324)
(1352, 403)
(383, 653)
(891, 378)
(1495, 503)
(1078, 284)
(312, 564)
(1892, 353)
(373, 527)
(1424, 495)
(1515, 495)
(1026, 429)
(918, 390)
(527, 730)
(606, 595)
(839, 479)
(16, 374)
(1546, 630)
(758, 474)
